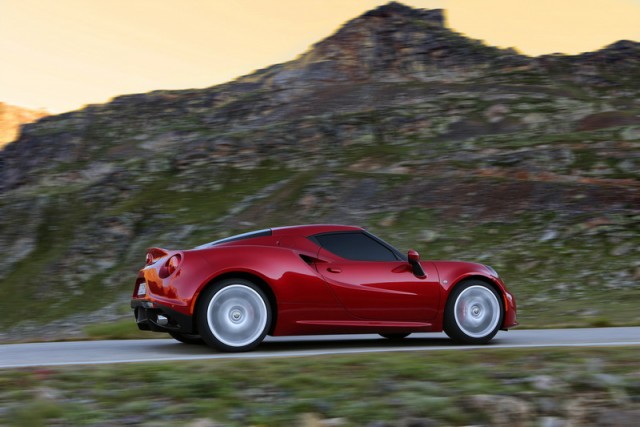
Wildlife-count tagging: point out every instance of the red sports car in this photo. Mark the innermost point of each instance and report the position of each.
(314, 279)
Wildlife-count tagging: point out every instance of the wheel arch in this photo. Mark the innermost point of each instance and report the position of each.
(257, 280)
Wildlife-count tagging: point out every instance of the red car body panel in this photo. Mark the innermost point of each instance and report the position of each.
(311, 290)
(382, 291)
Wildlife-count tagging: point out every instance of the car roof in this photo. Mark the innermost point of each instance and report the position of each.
(312, 229)
(294, 230)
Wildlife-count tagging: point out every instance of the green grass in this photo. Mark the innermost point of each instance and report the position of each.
(53, 238)
(357, 388)
(191, 205)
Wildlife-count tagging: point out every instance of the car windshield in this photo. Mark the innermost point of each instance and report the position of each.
(249, 235)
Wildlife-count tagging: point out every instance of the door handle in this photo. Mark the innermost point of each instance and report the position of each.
(334, 270)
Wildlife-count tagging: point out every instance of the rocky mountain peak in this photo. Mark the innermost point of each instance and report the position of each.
(393, 42)
(372, 26)
(624, 45)
(626, 51)
(399, 10)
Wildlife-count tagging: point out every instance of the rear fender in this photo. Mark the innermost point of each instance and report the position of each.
(286, 272)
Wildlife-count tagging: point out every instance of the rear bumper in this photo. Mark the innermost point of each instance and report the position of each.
(151, 316)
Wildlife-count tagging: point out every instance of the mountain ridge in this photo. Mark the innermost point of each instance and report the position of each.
(432, 53)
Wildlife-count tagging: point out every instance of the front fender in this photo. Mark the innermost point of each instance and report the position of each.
(453, 273)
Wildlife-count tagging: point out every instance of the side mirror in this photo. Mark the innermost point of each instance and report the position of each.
(414, 260)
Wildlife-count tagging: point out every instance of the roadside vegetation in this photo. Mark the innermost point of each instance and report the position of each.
(577, 386)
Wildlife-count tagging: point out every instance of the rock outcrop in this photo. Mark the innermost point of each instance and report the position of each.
(11, 118)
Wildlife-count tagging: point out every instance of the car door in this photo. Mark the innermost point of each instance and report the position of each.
(372, 282)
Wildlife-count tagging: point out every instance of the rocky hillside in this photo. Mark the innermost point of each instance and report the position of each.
(11, 118)
(395, 122)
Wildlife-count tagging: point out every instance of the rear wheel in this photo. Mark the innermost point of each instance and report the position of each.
(234, 315)
(474, 313)
(186, 338)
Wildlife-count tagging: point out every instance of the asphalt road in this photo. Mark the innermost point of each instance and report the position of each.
(121, 351)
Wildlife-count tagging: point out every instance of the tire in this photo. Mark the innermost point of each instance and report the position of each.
(187, 338)
(474, 313)
(395, 337)
(234, 315)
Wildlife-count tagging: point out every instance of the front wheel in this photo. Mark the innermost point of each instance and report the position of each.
(474, 313)
(234, 315)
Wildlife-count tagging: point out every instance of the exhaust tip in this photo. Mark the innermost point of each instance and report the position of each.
(162, 320)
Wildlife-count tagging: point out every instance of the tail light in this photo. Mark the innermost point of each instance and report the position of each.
(172, 264)
(154, 254)
(169, 261)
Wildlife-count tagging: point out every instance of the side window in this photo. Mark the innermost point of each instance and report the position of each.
(355, 246)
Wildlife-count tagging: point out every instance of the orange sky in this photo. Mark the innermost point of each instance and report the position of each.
(63, 54)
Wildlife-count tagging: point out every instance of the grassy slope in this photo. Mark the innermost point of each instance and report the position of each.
(569, 280)
(449, 199)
